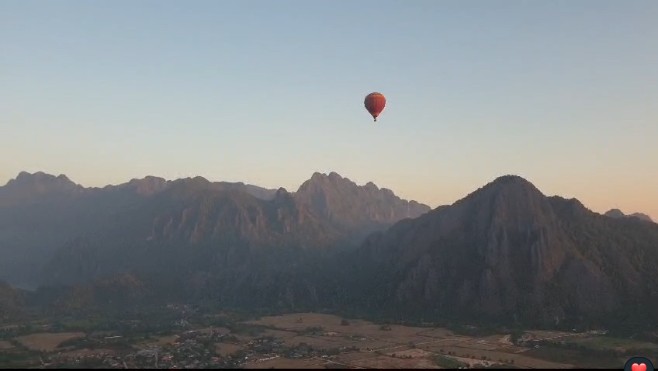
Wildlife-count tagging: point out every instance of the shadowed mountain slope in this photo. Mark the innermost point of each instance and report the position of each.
(507, 252)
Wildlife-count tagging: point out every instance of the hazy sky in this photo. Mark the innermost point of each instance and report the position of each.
(561, 92)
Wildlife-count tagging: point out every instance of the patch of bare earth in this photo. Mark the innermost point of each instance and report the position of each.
(47, 341)
(280, 334)
(224, 349)
(391, 362)
(285, 363)
(167, 340)
(318, 342)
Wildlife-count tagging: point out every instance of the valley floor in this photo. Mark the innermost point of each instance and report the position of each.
(301, 340)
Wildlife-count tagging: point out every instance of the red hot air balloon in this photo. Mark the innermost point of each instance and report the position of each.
(375, 103)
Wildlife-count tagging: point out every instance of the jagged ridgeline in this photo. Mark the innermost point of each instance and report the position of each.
(184, 233)
(504, 253)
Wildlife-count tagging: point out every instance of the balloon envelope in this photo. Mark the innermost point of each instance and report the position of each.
(375, 103)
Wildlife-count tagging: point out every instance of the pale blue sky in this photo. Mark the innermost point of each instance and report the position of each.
(562, 92)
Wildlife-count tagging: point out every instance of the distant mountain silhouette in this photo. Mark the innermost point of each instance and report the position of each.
(506, 252)
(616, 213)
(26, 188)
(91, 232)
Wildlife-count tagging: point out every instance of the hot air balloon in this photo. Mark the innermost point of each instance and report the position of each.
(375, 103)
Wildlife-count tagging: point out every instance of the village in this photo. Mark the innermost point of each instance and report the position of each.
(304, 340)
(207, 348)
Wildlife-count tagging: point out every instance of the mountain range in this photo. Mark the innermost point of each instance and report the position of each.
(504, 253)
(46, 220)
(616, 213)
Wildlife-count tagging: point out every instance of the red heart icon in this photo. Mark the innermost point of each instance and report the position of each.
(640, 367)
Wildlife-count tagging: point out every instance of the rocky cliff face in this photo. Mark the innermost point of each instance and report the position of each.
(211, 215)
(508, 252)
(352, 208)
